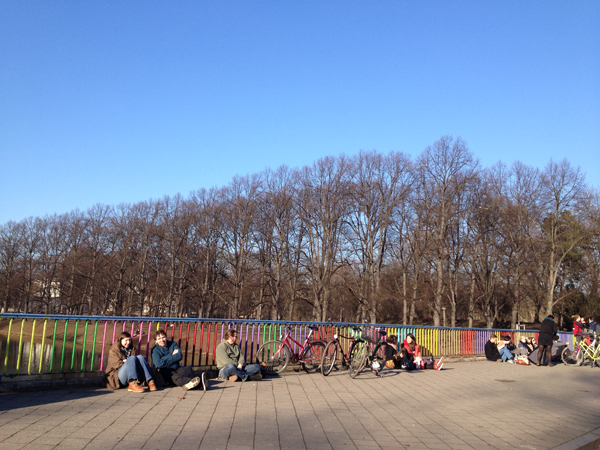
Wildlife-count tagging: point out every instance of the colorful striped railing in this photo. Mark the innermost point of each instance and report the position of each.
(66, 344)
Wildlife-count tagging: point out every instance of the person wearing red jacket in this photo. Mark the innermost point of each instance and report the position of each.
(577, 328)
(410, 351)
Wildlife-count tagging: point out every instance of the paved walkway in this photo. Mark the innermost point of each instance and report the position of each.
(477, 405)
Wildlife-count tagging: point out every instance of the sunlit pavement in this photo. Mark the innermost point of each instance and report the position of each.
(478, 405)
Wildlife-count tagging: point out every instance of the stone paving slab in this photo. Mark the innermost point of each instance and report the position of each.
(476, 405)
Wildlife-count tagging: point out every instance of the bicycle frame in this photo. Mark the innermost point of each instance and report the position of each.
(285, 341)
(591, 351)
(373, 356)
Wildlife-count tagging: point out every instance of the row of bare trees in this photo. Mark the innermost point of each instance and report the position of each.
(377, 236)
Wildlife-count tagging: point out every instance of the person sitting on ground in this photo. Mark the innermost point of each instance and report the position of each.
(496, 349)
(166, 356)
(410, 352)
(547, 330)
(518, 350)
(231, 362)
(126, 368)
(526, 344)
(392, 358)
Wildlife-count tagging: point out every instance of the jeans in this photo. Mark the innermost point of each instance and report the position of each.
(130, 369)
(505, 353)
(231, 369)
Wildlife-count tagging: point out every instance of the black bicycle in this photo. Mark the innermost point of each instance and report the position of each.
(334, 350)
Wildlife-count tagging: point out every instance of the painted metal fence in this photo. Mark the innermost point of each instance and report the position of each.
(37, 344)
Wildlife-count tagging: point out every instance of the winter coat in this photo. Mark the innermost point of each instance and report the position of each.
(163, 357)
(547, 330)
(115, 361)
(491, 351)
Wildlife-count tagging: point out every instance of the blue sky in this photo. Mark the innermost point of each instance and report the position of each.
(111, 102)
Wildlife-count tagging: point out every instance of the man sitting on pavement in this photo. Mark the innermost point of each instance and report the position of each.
(166, 356)
(495, 350)
(231, 362)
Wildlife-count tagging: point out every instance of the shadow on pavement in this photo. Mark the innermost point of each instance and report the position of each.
(16, 400)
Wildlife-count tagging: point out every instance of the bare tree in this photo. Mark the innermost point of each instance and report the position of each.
(322, 202)
(379, 186)
(563, 192)
(442, 171)
(11, 235)
(205, 258)
(237, 228)
(279, 238)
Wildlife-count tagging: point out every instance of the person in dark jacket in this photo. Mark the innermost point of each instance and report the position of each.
(495, 350)
(166, 356)
(392, 359)
(577, 328)
(491, 349)
(547, 330)
(593, 324)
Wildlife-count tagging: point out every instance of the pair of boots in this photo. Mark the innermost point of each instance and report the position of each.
(545, 350)
(135, 387)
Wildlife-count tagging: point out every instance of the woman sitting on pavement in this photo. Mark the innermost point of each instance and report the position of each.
(515, 351)
(410, 352)
(126, 368)
(392, 357)
(166, 356)
(526, 344)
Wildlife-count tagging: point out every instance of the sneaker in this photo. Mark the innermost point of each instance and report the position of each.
(191, 384)
(135, 387)
(256, 377)
(204, 381)
(233, 378)
(510, 361)
(151, 386)
(439, 364)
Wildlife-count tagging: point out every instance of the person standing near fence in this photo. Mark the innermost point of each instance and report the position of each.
(547, 331)
(577, 328)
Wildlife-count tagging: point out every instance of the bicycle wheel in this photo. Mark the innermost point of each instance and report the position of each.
(581, 357)
(378, 356)
(568, 356)
(329, 358)
(352, 353)
(359, 360)
(311, 356)
(273, 356)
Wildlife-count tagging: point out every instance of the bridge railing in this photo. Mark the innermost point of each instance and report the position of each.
(33, 344)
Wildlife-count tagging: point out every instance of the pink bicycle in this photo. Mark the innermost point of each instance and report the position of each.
(274, 356)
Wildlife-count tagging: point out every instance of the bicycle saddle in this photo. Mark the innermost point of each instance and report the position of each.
(313, 327)
(383, 332)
